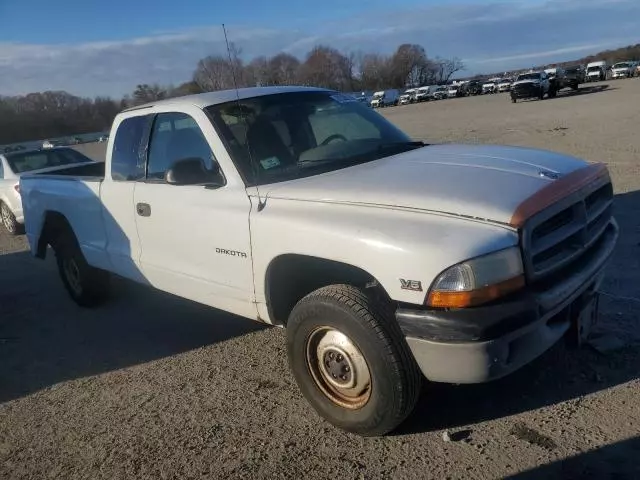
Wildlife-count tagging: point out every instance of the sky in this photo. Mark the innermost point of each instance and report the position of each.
(106, 48)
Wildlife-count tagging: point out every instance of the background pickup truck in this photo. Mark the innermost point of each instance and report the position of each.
(385, 259)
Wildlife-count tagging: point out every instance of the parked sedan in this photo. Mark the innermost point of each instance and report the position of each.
(17, 163)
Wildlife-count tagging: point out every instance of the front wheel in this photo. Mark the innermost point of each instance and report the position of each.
(351, 360)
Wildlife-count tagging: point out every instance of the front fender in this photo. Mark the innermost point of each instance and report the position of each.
(397, 247)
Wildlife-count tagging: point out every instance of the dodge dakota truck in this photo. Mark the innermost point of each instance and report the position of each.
(386, 260)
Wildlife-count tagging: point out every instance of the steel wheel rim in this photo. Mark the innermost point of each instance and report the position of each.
(338, 368)
(72, 272)
(6, 218)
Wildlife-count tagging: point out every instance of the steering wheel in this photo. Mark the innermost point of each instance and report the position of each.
(330, 138)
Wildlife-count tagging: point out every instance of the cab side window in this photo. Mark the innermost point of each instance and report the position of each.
(175, 136)
(127, 164)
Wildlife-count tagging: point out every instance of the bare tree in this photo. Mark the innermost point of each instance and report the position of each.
(408, 65)
(326, 67)
(283, 69)
(447, 67)
(145, 93)
(375, 71)
(217, 72)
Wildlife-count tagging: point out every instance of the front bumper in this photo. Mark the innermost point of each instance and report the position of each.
(528, 90)
(488, 342)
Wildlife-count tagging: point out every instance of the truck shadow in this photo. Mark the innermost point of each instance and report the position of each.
(563, 373)
(583, 90)
(615, 461)
(45, 338)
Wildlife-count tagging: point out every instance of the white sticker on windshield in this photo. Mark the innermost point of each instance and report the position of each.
(270, 162)
(342, 98)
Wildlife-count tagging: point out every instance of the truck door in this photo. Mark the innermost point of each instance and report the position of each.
(194, 239)
(126, 151)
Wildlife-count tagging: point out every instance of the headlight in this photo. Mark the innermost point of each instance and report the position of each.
(478, 280)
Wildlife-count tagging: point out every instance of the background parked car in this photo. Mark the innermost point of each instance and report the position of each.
(623, 70)
(504, 85)
(474, 87)
(15, 164)
(576, 75)
(409, 96)
(440, 93)
(422, 94)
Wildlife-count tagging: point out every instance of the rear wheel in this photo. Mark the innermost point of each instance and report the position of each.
(9, 221)
(541, 93)
(88, 286)
(351, 360)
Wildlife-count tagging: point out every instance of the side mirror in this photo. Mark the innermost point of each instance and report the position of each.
(193, 171)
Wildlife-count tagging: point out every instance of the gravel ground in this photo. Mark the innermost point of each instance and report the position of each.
(152, 386)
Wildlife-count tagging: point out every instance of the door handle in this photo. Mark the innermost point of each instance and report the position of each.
(143, 209)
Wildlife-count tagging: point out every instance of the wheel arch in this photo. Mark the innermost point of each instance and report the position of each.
(53, 224)
(290, 277)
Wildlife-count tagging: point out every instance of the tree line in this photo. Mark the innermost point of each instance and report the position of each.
(57, 113)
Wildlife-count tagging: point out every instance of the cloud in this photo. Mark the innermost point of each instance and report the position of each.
(591, 48)
(495, 35)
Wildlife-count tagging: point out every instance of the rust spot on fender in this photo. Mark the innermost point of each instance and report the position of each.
(558, 190)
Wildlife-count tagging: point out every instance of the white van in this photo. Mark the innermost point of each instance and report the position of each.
(597, 71)
(385, 98)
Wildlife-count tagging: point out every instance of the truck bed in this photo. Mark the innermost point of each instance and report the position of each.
(94, 170)
(75, 194)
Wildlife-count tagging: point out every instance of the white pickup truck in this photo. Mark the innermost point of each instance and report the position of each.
(387, 260)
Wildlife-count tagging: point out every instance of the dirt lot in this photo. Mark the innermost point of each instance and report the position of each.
(152, 386)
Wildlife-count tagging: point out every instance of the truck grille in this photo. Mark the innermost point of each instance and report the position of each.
(562, 234)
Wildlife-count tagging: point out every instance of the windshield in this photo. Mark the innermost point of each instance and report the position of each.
(529, 76)
(593, 69)
(378, 95)
(37, 160)
(282, 137)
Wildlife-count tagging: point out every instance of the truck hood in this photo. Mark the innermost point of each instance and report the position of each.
(526, 82)
(485, 182)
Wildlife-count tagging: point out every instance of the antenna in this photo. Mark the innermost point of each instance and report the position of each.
(261, 203)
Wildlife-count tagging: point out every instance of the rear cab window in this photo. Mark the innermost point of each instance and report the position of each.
(128, 155)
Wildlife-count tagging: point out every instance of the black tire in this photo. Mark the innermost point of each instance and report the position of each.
(514, 99)
(88, 286)
(395, 378)
(9, 221)
(552, 92)
(541, 93)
